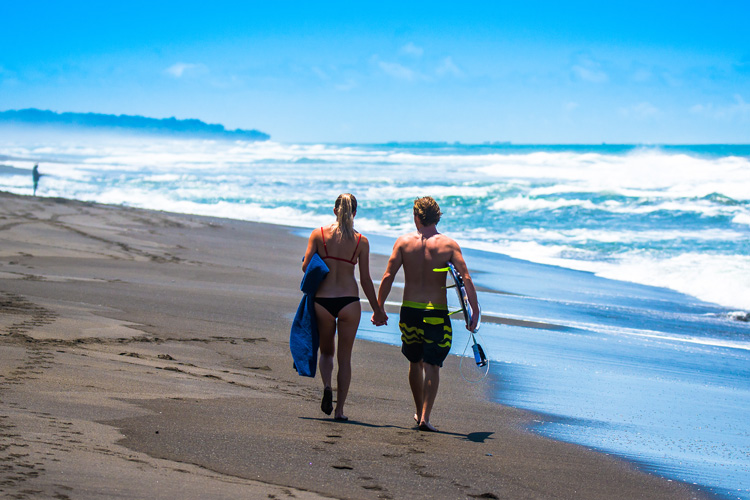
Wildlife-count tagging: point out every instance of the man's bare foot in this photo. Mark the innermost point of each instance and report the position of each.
(416, 418)
(341, 418)
(427, 427)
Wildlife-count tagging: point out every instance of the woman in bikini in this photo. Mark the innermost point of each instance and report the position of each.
(337, 304)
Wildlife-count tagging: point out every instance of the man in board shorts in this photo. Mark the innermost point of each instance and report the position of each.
(425, 327)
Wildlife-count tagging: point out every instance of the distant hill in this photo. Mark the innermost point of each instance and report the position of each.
(133, 123)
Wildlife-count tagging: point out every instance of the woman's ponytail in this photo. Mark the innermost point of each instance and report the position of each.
(346, 208)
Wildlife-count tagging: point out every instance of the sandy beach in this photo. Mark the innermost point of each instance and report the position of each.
(145, 355)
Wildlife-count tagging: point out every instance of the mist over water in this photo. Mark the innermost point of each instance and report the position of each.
(677, 216)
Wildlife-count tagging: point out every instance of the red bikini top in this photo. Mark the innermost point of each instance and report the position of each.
(350, 261)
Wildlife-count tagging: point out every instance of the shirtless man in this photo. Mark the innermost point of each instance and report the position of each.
(425, 327)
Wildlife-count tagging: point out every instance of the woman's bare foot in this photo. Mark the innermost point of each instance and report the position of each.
(327, 403)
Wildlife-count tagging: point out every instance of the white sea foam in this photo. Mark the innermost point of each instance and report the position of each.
(642, 174)
(722, 279)
(524, 203)
(285, 216)
(640, 205)
(17, 184)
(414, 191)
(582, 235)
(742, 218)
(719, 279)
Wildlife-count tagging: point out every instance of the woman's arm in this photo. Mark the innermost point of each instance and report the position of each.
(365, 280)
(312, 247)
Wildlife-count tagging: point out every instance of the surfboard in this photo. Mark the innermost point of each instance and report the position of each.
(458, 283)
(463, 298)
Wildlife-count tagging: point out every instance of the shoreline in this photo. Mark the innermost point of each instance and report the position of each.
(122, 322)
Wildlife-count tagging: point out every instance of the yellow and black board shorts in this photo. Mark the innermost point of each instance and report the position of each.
(426, 332)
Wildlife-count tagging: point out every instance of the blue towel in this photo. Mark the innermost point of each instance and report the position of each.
(303, 339)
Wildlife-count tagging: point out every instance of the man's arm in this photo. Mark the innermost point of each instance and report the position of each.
(471, 293)
(394, 264)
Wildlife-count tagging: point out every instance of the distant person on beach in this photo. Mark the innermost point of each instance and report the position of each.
(337, 304)
(425, 327)
(35, 175)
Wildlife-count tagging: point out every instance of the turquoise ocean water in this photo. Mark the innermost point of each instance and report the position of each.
(640, 255)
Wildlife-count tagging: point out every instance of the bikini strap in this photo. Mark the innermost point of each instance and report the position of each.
(325, 247)
(355, 248)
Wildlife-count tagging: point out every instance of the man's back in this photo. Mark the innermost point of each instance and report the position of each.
(424, 321)
(421, 253)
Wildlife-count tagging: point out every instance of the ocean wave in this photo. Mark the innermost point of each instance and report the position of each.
(412, 191)
(639, 205)
(720, 279)
(621, 236)
(17, 184)
(527, 204)
(648, 174)
(714, 278)
(285, 216)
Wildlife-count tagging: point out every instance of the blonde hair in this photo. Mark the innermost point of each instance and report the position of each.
(427, 210)
(346, 209)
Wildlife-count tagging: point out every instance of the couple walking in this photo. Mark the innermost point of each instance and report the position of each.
(424, 324)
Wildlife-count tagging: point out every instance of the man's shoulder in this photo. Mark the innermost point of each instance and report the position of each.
(444, 238)
(444, 242)
(405, 239)
(413, 242)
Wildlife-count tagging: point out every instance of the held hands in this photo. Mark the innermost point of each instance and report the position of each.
(379, 317)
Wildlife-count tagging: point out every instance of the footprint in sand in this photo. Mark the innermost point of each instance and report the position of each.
(342, 467)
(420, 471)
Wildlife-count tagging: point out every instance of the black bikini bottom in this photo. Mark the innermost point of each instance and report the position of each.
(334, 305)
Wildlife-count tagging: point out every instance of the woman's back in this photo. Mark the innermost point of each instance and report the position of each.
(340, 255)
(337, 306)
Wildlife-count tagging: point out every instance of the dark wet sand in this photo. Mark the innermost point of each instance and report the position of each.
(145, 355)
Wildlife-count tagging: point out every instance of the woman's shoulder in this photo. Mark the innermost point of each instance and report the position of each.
(315, 234)
(363, 244)
(328, 229)
(317, 231)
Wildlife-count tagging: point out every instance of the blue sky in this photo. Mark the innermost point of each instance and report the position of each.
(527, 72)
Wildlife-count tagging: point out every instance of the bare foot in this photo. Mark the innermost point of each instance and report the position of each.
(416, 418)
(327, 404)
(427, 427)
